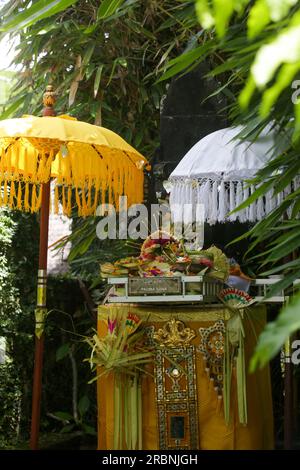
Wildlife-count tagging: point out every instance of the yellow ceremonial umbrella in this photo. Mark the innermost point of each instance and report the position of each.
(94, 162)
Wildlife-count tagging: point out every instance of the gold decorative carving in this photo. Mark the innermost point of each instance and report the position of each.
(49, 98)
(173, 334)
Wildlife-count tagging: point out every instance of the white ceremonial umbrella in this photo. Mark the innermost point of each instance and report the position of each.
(214, 172)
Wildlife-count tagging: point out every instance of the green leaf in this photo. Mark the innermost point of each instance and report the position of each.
(184, 61)
(276, 333)
(247, 93)
(204, 14)
(280, 8)
(259, 17)
(222, 13)
(67, 428)
(36, 12)
(284, 80)
(83, 405)
(64, 416)
(88, 54)
(97, 79)
(107, 8)
(291, 242)
(285, 48)
(89, 430)
(283, 283)
(62, 351)
(12, 108)
(282, 267)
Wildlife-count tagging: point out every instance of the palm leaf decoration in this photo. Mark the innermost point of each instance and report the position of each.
(121, 353)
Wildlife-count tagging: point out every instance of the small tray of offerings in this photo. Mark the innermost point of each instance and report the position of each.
(164, 289)
(165, 271)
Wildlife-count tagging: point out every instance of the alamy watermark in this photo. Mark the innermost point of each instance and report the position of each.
(137, 221)
(295, 353)
(296, 95)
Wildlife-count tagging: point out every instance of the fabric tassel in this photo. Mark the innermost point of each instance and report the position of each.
(69, 202)
(78, 202)
(26, 198)
(5, 193)
(260, 208)
(239, 199)
(244, 217)
(214, 203)
(96, 198)
(39, 199)
(64, 202)
(19, 197)
(89, 198)
(12, 195)
(252, 207)
(207, 198)
(223, 203)
(84, 205)
(232, 202)
(33, 199)
(56, 200)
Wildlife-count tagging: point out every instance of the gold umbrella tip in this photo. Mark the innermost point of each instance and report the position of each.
(49, 98)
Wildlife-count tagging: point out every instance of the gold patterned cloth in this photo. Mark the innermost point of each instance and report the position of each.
(208, 324)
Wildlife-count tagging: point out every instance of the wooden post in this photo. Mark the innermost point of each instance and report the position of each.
(40, 318)
(41, 309)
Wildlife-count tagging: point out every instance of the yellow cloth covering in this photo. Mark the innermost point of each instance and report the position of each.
(213, 432)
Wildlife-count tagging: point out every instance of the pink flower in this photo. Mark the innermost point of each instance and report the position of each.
(111, 325)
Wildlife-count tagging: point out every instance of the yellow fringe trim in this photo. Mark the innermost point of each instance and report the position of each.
(98, 174)
(26, 198)
(12, 195)
(56, 200)
(19, 197)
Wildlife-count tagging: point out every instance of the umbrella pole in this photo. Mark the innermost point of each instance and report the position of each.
(40, 314)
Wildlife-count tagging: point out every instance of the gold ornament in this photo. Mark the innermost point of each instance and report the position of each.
(174, 334)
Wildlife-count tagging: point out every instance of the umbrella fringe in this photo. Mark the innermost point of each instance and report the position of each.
(220, 197)
(104, 175)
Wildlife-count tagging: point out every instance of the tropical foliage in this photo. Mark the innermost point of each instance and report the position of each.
(112, 60)
(259, 44)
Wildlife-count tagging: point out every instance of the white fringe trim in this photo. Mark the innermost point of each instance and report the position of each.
(220, 197)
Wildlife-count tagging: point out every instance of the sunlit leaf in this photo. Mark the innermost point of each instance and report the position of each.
(276, 333)
(107, 8)
(36, 12)
(280, 8)
(259, 17)
(283, 80)
(204, 13)
(97, 79)
(284, 49)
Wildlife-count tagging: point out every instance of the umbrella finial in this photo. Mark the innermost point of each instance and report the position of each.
(49, 98)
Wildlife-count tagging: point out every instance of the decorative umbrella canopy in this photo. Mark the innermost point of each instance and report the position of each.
(95, 161)
(213, 173)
